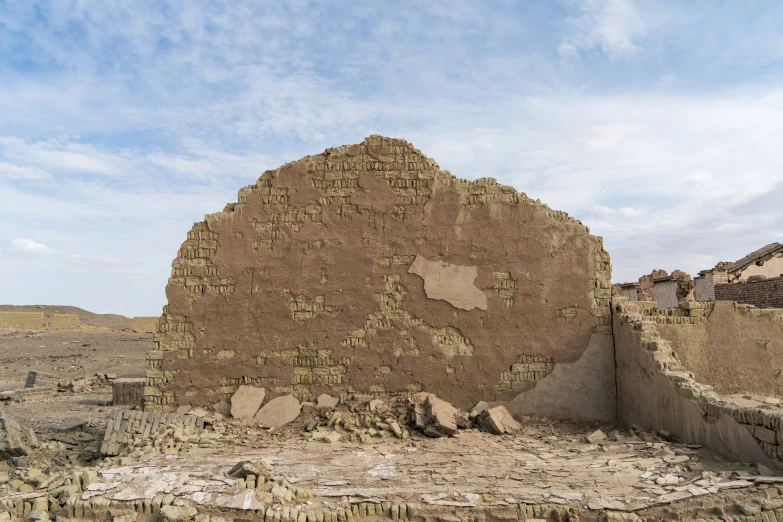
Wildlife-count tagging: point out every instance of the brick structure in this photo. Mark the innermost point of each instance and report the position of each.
(368, 269)
(144, 324)
(64, 322)
(766, 262)
(757, 291)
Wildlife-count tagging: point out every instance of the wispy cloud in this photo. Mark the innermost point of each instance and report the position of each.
(29, 247)
(612, 26)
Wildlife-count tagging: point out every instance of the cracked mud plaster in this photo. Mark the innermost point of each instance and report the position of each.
(450, 283)
(305, 282)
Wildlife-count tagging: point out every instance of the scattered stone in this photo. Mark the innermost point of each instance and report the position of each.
(772, 401)
(764, 471)
(477, 409)
(596, 436)
(378, 406)
(326, 401)
(497, 421)
(246, 402)
(182, 410)
(178, 513)
(327, 436)
(71, 425)
(222, 408)
(749, 508)
(278, 411)
(245, 468)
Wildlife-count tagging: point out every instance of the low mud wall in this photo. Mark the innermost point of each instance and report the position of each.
(734, 348)
(655, 391)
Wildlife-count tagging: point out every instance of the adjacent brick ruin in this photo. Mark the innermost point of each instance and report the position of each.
(22, 320)
(757, 291)
(144, 324)
(368, 269)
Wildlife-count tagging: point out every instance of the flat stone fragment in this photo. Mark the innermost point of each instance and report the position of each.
(326, 401)
(246, 401)
(278, 411)
(222, 408)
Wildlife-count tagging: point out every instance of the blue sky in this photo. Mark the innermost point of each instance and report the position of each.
(658, 124)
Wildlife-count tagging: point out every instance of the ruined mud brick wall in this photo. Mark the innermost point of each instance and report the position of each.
(368, 269)
(734, 348)
(757, 291)
(126, 425)
(656, 391)
(64, 322)
(144, 324)
(22, 320)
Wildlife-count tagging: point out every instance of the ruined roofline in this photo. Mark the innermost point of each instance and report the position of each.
(762, 254)
(375, 139)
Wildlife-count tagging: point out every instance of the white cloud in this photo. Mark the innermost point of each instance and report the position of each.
(17, 172)
(62, 155)
(613, 26)
(28, 246)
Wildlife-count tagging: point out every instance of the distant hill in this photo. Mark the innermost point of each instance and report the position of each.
(118, 322)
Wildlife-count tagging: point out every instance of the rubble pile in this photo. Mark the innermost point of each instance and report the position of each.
(437, 418)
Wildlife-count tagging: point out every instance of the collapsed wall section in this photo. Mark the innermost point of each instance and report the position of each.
(657, 392)
(368, 269)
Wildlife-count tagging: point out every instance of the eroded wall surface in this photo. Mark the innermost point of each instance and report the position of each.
(734, 349)
(369, 269)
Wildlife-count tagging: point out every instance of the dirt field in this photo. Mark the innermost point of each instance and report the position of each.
(99, 346)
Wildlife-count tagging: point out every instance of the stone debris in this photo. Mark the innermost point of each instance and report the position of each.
(596, 436)
(497, 421)
(438, 418)
(278, 412)
(246, 402)
(15, 440)
(326, 401)
(223, 408)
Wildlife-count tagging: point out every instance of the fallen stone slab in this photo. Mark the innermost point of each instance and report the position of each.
(326, 401)
(246, 402)
(41, 379)
(28, 393)
(71, 425)
(15, 439)
(497, 421)
(278, 412)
